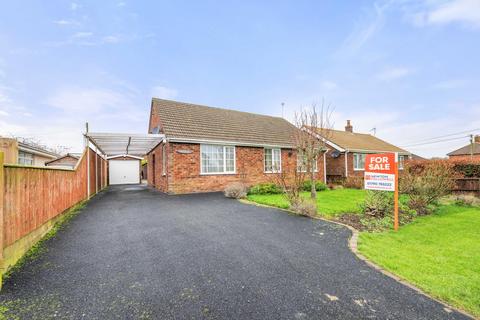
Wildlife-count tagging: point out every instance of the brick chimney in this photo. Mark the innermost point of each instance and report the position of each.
(476, 139)
(348, 127)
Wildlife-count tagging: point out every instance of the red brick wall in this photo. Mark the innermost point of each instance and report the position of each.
(336, 166)
(184, 169)
(157, 178)
(476, 157)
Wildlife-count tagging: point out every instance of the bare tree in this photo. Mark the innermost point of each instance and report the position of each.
(35, 142)
(310, 140)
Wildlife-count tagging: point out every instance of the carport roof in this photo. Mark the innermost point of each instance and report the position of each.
(112, 144)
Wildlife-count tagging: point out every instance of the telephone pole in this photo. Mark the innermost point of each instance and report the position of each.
(471, 146)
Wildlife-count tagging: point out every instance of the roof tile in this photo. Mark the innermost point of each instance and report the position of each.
(193, 121)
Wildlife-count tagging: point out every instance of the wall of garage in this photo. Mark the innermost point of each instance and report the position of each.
(33, 198)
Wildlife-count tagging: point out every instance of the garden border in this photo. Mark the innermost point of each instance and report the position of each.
(353, 246)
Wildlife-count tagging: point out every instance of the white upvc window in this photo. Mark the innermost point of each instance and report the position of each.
(272, 160)
(359, 161)
(302, 163)
(217, 159)
(25, 158)
(401, 161)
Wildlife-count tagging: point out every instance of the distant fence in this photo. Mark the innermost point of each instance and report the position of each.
(467, 184)
(32, 197)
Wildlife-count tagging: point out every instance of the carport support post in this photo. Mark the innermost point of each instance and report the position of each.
(87, 140)
(2, 208)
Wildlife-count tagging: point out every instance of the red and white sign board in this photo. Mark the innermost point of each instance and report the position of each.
(380, 172)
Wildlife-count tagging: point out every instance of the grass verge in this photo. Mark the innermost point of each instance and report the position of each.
(330, 203)
(439, 253)
(39, 248)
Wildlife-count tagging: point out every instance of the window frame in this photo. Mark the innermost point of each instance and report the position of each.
(272, 159)
(22, 162)
(354, 162)
(401, 163)
(224, 172)
(315, 169)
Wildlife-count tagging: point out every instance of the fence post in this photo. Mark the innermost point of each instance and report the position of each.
(2, 211)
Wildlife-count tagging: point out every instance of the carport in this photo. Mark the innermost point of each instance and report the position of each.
(123, 151)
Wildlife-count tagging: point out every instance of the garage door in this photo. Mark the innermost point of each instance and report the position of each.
(124, 171)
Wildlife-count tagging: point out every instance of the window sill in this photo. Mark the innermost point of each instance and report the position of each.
(217, 173)
(358, 169)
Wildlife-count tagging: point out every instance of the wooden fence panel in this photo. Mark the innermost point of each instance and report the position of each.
(467, 184)
(35, 195)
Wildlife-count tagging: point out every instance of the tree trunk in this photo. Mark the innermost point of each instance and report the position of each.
(313, 188)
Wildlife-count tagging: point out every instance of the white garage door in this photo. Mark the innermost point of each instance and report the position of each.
(124, 171)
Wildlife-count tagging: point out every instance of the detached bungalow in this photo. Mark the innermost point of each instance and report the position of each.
(206, 148)
(347, 151)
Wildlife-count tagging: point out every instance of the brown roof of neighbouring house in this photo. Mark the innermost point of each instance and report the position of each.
(180, 120)
(414, 156)
(466, 150)
(353, 141)
(68, 155)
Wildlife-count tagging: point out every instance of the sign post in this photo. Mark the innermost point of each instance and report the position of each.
(395, 197)
(381, 174)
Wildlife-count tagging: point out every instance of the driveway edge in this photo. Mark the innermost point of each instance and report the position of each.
(353, 246)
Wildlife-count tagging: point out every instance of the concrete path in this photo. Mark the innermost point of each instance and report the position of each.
(135, 253)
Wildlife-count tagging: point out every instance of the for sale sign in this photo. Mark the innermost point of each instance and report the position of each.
(380, 172)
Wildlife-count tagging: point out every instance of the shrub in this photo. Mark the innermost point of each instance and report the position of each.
(265, 188)
(236, 190)
(467, 200)
(353, 182)
(467, 169)
(319, 186)
(304, 207)
(377, 204)
(425, 182)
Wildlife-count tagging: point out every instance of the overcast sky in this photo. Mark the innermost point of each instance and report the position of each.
(410, 69)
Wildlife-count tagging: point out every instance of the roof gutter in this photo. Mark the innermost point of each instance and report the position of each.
(226, 142)
(378, 151)
(36, 152)
(330, 143)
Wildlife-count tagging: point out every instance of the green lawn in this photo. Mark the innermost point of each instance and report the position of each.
(439, 253)
(330, 202)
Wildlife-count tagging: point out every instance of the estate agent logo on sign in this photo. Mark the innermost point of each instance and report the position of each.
(380, 172)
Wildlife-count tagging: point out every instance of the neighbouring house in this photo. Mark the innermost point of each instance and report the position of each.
(347, 151)
(469, 152)
(20, 152)
(207, 148)
(68, 161)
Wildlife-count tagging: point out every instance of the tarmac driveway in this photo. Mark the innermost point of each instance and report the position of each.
(135, 253)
